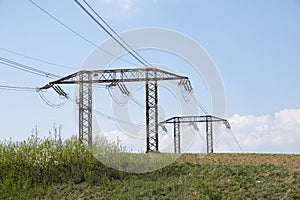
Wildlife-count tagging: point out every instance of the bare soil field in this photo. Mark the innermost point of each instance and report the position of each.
(291, 161)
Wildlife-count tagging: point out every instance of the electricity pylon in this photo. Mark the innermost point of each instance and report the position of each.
(86, 78)
(207, 119)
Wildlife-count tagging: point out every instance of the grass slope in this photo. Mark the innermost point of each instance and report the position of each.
(48, 169)
(189, 181)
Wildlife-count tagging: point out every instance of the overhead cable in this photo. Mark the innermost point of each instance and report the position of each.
(116, 119)
(236, 141)
(79, 35)
(109, 117)
(115, 99)
(36, 59)
(27, 68)
(116, 34)
(110, 34)
(198, 103)
(18, 88)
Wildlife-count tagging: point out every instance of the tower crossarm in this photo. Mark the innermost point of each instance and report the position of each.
(118, 75)
(193, 119)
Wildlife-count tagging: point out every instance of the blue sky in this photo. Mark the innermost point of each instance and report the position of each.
(254, 44)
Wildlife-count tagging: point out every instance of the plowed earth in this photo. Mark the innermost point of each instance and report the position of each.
(291, 161)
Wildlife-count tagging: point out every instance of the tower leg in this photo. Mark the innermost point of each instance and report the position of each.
(85, 109)
(151, 114)
(176, 136)
(209, 136)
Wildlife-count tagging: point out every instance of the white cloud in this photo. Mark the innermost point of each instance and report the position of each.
(279, 132)
(119, 9)
(272, 133)
(124, 9)
(124, 4)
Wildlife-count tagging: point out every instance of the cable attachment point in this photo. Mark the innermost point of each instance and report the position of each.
(186, 84)
(195, 126)
(123, 89)
(163, 127)
(60, 91)
(227, 125)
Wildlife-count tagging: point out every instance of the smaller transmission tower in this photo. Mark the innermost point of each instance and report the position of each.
(207, 119)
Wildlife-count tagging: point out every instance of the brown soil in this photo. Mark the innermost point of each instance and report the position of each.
(291, 161)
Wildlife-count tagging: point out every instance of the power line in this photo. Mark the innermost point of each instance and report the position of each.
(79, 35)
(199, 104)
(115, 98)
(192, 94)
(18, 88)
(27, 68)
(218, 139)
(36, 59)
(137, 102)
(116, 119)
(236, 141)
(59, 105)
(95, 20)
(109, 117)
(234, 138)
(49, 103)
(20, 68)
(116, 33)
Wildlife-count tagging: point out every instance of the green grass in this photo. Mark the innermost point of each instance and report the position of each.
(48, 169)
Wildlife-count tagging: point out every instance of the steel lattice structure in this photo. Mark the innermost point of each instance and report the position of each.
(85, 108)
(112, 77)
(176, 135)
(208, 119)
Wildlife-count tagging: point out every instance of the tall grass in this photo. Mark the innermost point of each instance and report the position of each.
(49, 160)
(41, 162)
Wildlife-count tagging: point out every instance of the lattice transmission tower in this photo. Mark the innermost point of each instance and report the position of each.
(207, 119)
(86, 78)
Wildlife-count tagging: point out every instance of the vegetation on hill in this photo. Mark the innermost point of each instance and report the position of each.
(53, 169)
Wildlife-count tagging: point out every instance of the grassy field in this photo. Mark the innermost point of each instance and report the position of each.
(48, 169)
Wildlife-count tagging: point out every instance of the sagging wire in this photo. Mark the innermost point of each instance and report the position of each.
(109, 117)
(121, 103)
(137, 102)
(198, 103)
(49, 103)
(236, 141)
(40, 92)
(185, 94)
(219, 138)
(117, 120)
(188, 93)
(196, 129)
(234, 138)
(62, 94)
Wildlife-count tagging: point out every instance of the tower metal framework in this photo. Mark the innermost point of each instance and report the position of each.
(176, 135)
(112, 77)
(207, 119)
(85, 108)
